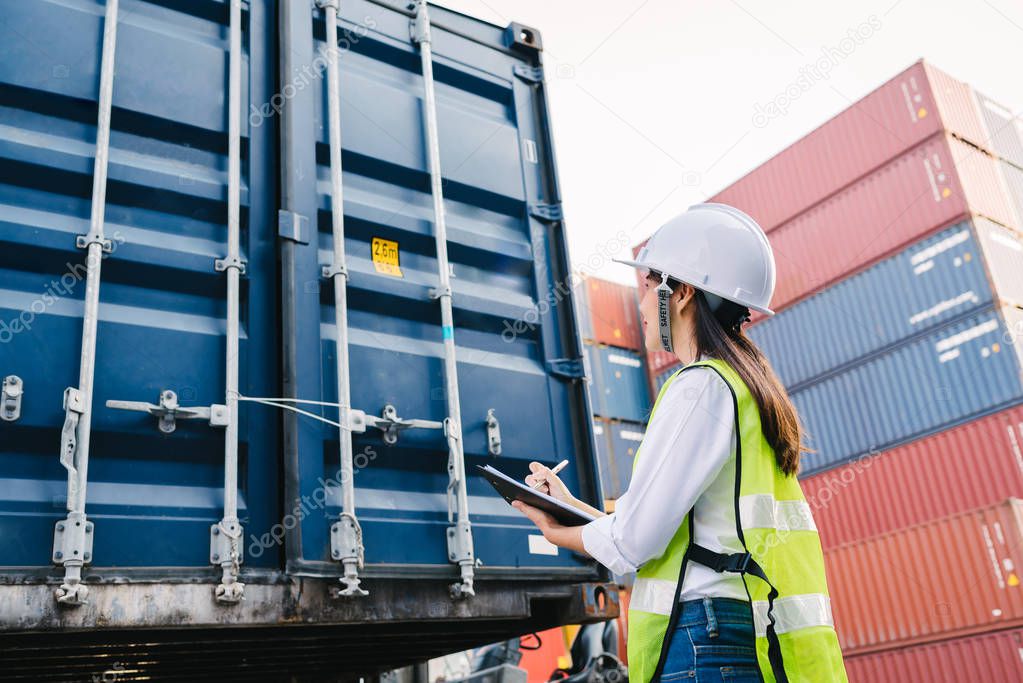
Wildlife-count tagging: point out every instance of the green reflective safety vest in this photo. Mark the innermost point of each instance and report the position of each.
(783, 570)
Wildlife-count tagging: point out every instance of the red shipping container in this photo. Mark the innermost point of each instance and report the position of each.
(908, 109)
(973, 465)
(992, 658)
(927, 188)
(614, 314)
(953, 577)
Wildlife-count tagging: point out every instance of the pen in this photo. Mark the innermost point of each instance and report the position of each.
(557, 468)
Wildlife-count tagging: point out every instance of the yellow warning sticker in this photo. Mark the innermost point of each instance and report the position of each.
(1013, 580)
(385, 257)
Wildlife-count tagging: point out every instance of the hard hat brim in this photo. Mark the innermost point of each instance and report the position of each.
(649, 266)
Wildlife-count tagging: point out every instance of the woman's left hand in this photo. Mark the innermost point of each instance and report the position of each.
(570, 537)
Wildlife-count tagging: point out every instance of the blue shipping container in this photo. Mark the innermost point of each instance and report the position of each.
(193, 204)
(663, 377)
(953, 273)
(965, 369)
(616, 449)
(618, 383)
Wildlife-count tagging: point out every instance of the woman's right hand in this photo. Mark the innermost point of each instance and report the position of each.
(552, 485)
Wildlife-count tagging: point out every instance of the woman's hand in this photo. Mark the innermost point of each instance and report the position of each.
(570, 537)
(552, 485)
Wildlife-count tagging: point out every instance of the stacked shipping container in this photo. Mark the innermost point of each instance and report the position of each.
(619, 391)
(899, 335)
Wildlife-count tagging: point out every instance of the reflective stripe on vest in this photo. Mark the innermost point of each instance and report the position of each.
(776, 528)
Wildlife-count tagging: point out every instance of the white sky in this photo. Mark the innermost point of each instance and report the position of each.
(653, 100)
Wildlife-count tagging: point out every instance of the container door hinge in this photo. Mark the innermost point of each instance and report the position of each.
(547, 213)
(72, 548)
(169, 412)
(293, 226)
(10, 399)
(567, 368)
(226, 550)
(493, 433)
(529, 74)
(346, 547)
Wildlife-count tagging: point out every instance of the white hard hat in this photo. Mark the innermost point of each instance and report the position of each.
(715, 248)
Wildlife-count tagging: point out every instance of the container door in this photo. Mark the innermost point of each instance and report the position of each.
(517, 346)
(152, 492)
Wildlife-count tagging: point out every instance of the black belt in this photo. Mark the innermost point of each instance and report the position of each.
(743, 563)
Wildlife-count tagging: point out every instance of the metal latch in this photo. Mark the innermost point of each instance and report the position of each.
(493, 433)
(10, 399)
(529, 74)
(547, 213)
(567, 368)
(170, 412)
(389, 423)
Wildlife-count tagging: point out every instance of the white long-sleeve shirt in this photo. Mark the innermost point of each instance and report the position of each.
(688, 460)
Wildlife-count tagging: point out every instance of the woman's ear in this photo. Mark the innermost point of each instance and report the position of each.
(684, 295)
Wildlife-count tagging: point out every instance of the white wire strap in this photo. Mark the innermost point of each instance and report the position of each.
(281, 402)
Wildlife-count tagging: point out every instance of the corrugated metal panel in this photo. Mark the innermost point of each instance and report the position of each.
(582, 310)
(939, 278)
(909, 108)
(613, 314)
(162, 310)
(927, 188)
(507, 265)
(602, 434)
(1002, 129)
(973, 465)
(993, 657)
(625, 440)
(618, 387)
(960, 370)
(957, 106)
(660, 361)
(663, 376)
(955, 576)
(153, 495)
(1014, 185)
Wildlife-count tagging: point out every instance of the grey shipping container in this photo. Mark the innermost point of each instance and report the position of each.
(950, 274)
(257, 454)
(966, 369)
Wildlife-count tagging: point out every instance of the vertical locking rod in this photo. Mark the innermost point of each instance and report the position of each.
(225, 537)
(460, 545)
(346, 534)
(72, 546)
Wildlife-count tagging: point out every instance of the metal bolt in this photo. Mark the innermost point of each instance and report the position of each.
(88, 556)
(337, 553)
(88, 529)
(216, 558)
(216, 531)
(58, 555)
(60, 527)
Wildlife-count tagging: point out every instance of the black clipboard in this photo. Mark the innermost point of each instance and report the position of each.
(511, 489)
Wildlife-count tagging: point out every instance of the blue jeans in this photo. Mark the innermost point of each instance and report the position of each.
(713, 642)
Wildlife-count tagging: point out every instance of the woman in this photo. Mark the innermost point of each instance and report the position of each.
(747, 599)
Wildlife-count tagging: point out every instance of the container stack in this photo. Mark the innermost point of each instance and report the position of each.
(899, 336)
(616, 366)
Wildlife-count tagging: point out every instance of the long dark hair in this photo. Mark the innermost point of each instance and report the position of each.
(719, 335)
